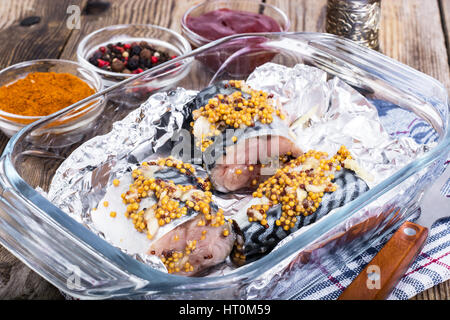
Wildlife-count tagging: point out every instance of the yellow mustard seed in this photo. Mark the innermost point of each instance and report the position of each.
(278, 189)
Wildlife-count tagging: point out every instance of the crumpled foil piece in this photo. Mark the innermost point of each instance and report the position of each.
(326, 114)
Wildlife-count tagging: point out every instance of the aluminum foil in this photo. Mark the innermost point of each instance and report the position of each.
(326, 113)
(330, 113)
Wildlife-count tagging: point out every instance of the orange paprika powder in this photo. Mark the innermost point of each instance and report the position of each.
(43, 93)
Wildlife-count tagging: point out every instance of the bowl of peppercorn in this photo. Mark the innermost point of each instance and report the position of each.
(119, 52)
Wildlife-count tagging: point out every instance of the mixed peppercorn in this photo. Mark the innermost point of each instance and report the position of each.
(128, 58)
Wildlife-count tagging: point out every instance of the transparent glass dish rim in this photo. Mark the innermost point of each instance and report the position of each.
(159, 281)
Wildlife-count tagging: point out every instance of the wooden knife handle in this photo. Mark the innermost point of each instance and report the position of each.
(381, 275)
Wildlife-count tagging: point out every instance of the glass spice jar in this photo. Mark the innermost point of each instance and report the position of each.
(357, 20)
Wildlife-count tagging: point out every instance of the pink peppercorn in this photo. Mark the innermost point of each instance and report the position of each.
(102, 63)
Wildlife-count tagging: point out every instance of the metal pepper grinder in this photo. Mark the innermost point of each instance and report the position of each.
(357, 20)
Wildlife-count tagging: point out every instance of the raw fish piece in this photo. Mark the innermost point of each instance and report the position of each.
(247, 158)
(211, 247)
(299, 193)
(259, 240)
(239, 131)
(184, 227)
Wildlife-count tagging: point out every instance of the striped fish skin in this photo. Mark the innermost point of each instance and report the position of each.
(172, 174)
(210, 92)
(259, 240)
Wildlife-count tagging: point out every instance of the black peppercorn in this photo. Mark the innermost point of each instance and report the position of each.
(29, 21)
(97, 55)
(146, 63)
(93, 60)
(133, 63)
(135, 50)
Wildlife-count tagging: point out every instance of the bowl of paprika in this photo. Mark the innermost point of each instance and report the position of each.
(34, 89)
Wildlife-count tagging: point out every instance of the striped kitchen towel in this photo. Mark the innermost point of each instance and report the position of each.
(432, 265)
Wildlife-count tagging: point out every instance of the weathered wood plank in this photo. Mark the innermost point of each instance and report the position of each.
(445, 17)
(439, 292)
(10, 11)
(45, 39)
(17, 281)
(411, 32)
(305, 15)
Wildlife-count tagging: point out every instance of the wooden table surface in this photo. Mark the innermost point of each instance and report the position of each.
(414, 32)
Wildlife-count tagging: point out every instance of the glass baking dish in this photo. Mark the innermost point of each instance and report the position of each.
(83, 265)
